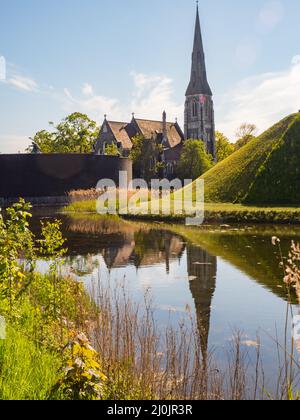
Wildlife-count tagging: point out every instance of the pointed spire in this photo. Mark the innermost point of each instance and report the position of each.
(198, 83)
(164, 123)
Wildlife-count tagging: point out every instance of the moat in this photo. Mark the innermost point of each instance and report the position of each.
(229, 278)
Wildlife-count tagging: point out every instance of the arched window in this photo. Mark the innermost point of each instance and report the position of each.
(170, 169)
(195, 109)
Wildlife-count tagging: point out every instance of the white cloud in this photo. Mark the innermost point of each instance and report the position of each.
(296, 60)
(262, 100)
(151, 95)
(95, 106)
(154, 94)
(87, 89)
(23, 83)
(11, 76)
(271, 14)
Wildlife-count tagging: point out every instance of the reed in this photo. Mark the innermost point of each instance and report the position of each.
(143, 360)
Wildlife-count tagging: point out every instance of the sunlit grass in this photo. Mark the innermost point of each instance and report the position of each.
(27, 372)
(214, 212)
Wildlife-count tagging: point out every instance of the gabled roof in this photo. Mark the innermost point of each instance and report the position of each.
(120, 133)
(150, 128)
(173, 154)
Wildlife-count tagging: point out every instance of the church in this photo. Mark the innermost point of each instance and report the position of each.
(198, 118)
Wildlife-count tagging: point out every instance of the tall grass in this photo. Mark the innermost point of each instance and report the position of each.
(83, 195)
(143, 360)
(27, 372)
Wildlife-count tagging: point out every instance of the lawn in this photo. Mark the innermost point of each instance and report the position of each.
(214, 212)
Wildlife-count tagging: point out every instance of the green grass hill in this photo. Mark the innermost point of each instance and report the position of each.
(265, 171)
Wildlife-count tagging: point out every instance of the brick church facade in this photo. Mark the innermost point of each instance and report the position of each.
(198, 119)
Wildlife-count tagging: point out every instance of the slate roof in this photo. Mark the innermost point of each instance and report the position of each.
(120, 133)
(173, 154)
(149, 128)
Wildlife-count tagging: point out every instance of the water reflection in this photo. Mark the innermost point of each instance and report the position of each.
(232, 278)
(202, 270)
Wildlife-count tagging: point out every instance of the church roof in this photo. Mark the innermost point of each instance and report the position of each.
(148, 128)
(173, 154)
(120, 133)
(198, 84)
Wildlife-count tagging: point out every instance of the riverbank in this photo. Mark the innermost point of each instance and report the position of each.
(44, 318)
(66, 342)
(69, 341)
(214, 213)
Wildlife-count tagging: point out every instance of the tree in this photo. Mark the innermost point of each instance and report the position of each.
(44, 140)
(223, 147)
(74, 134)
(245, 133)
(194, 160)
(112, 150)
(145, 155)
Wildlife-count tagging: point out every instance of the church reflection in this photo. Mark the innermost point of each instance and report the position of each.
(202, 269)
(121, 246)
(92, 242)
(145, 248)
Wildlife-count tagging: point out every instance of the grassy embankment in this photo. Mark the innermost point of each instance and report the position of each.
(265, 171)
(214, 213)
(257, 184)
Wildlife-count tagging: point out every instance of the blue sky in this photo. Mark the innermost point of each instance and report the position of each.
(124, 56)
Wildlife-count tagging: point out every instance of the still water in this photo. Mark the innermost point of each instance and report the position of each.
(229, 277)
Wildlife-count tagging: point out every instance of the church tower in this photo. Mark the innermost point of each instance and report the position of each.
(199, 120)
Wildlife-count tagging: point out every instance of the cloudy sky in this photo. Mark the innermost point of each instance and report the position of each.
(123, 56)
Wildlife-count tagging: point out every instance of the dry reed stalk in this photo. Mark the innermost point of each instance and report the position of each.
(145, 361)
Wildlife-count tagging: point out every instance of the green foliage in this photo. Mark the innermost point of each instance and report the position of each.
(75, 134)
(145, 155)
(112, 150)
(39, 309)
(16, 241)
(223, 147)
(45, 140)
(51, 244)
(277, 180)
(81, 378)
(243, 142)
(194, 160)
(27, 371)
(245, 133)
(230, 180)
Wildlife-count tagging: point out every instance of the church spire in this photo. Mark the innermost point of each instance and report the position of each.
(198, 84)
(199, 119)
